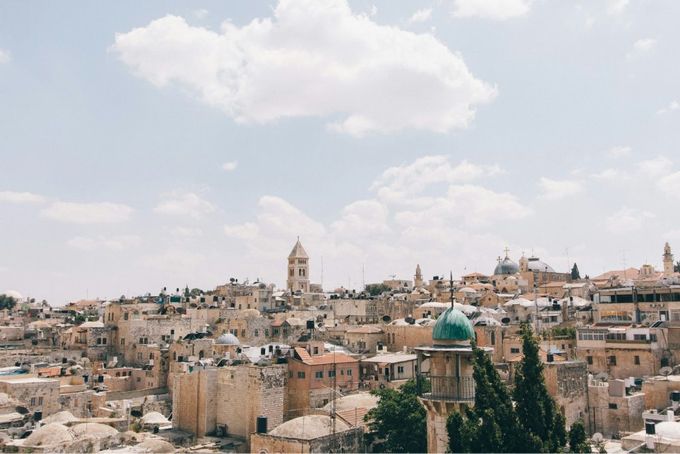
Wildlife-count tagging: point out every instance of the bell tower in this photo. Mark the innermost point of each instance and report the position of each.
(298, 269)
(667, 260)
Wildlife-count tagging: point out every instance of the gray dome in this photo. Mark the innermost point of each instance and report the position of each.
(227, 339)
(536, 264)
(506, 266)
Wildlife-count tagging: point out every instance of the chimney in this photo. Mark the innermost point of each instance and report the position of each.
(670, 415)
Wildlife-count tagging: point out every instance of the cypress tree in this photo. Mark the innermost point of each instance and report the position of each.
(542, 424)
(575, 274)
(578, 441)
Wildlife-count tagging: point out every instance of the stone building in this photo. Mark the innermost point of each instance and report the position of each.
(39, 394)
(364, 338)
(408, 333)
(313, 376)
(227, 400)
(567, 383)
(614, 408)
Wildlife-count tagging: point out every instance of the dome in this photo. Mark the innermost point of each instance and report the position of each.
(452, 324)
(50, 434)
(155, 445)
(227, 339)
(669, 429)
(536, 264)
(309, 427)
(94, 430)
(353, 401)
(506, 266)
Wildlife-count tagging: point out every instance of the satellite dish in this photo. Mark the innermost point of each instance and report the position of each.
(602, 376)
(597, 437)
(666, 371)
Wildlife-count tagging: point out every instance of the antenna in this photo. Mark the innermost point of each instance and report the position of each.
(451, 287)
(363, 277)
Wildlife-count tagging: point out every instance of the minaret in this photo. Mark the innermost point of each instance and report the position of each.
(298, 269)
(667, 260)
(418, 278)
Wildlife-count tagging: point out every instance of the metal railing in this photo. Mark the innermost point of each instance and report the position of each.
(455, 389)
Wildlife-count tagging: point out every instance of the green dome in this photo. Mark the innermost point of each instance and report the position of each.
(452, 324)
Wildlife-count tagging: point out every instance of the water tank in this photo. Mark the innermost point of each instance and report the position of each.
(650, 428)
(37, 415)
(310, 324)
(675, 396)
(262, 424)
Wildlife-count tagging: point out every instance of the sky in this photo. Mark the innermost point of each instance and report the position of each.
(163, 144)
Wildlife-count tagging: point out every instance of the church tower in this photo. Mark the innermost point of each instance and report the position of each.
(298, 269)
(418, 278)
(667, 260)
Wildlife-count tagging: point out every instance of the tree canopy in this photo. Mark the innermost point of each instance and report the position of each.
(398, 422)
(578, 440)
(575, 274)
(7, 301)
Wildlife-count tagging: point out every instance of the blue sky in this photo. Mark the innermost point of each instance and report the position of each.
(385, 134)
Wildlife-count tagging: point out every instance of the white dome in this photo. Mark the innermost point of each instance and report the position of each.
(90, 429)
(49, 435)
(669, 429)
(352, 401)
(227, 339)
(309, 427)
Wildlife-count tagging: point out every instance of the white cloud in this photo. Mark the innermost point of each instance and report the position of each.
(670, 184)
(14, 294)
(616, 7)
(610, 175)
(88, 213)
(376, 78)
(21, 197)
(174, 262)
(491, 9)
(115, 243)
(422, 15)
(229, 166)
(246, 231)
(184, 204)
(619, 151)
(627, 220)
(655, 167)
(185, 232)
(672, 106)
(641, 46)
(559, 189)
(399, 183)
(360, 218)
(201, 13)
(5, 56)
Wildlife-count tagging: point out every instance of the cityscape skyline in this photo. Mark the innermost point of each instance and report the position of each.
(125, 173)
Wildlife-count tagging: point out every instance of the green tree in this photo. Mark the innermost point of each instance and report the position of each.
(578, 441)
(398, 422)
(492, 424)
(542, 425)
(376, 289)
(575, 274)
(7, 302)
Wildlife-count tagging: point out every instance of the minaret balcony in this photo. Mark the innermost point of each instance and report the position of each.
(451, 389)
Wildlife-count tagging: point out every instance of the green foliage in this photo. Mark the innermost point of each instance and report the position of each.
(7, 302)
(398, 422)
(568, 332)
(578, 441)
(376, 289)
(491, 425)
(542, 425)
(575, 274)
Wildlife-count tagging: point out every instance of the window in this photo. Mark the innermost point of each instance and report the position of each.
(126, 316)
(104, 340)
(349, 371)
(40, 400)
(331, 373)
(290, 374)
(612, 360)
(316, 350)
(613, 406)
(400, 369)
(636, 360)
(589, 360)
(172, 331)
(122, 342)
(32, 401)
(514, 350)
(301, 374)
(257, 333)
(266, 332)
(318, 375)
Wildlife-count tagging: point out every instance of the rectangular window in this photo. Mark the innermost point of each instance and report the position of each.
(613, 406)
(257, 333)
(32, 401)
(514, 350)
(400, 369)
(349, 371)
(126, 316)
(40, 400)
(122, 342)
(612, 360)
(301, 375)
(331, 373)
(589, 360)
(318, 374)
(637, 360)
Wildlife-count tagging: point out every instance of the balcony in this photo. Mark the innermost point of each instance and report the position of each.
(451, 389)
